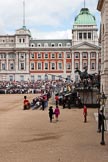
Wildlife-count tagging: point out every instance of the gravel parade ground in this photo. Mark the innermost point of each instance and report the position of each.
(28, 136)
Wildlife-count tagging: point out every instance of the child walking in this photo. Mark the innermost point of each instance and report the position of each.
(57, 112)
(51, 113)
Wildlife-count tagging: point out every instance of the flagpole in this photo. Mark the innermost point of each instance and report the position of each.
(84, 3)
(23, 13)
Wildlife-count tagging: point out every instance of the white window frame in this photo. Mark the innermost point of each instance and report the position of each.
(10, 65)
(39, 55)
(3, 66)
(39, 77)
(76, 65)
(32, 78)
(32, 55)
(84, 64)
(11, 78)
(60, 55)
(39, 68)
(45, 66)
(59, 44)
(84, 55)
(60, 65)
(32, 68)
(68, 55)
(32, 45)
(68, 66)
(3, 55)
(90, 35)
(22, 55)
(11, 56)
(22, 63)
(45, 55)
(53, 54)
(68, 44)
(53, 67)
(77, 55)
(93, 54)
(38, 44)
(45, 44)
(52, 44)
(21, 77)
(80, 38)
(53, 77)
(46, 77)
(93, 68)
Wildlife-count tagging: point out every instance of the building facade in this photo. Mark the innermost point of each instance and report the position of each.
(23, 58)
(103, 8)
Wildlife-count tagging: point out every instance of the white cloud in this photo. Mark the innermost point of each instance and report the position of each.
(52, 17)
(66, 34)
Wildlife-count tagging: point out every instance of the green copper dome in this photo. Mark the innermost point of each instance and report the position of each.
(85, 18)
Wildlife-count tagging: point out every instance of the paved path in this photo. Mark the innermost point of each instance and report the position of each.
(28, 136)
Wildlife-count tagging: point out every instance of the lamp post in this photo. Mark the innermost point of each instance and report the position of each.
(103, 100)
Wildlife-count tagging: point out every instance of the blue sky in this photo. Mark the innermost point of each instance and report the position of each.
(46, 19)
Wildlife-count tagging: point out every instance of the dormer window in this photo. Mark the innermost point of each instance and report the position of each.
(45, 44)
(52, 44)
(68, 44)
(60, 44)
(39, 45)
(32, 45)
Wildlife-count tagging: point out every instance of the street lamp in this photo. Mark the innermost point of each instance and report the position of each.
(103, 101)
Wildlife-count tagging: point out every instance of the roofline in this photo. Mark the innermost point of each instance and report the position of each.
(50, 39)
(6, 35)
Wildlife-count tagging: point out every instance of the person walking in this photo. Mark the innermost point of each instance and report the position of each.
(85, 113)
(57, 112)
(51, 113)
(57, 99)
(101, 119)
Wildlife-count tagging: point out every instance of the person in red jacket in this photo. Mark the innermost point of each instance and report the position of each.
(85, 113)
(57, 99)
(26, 103)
